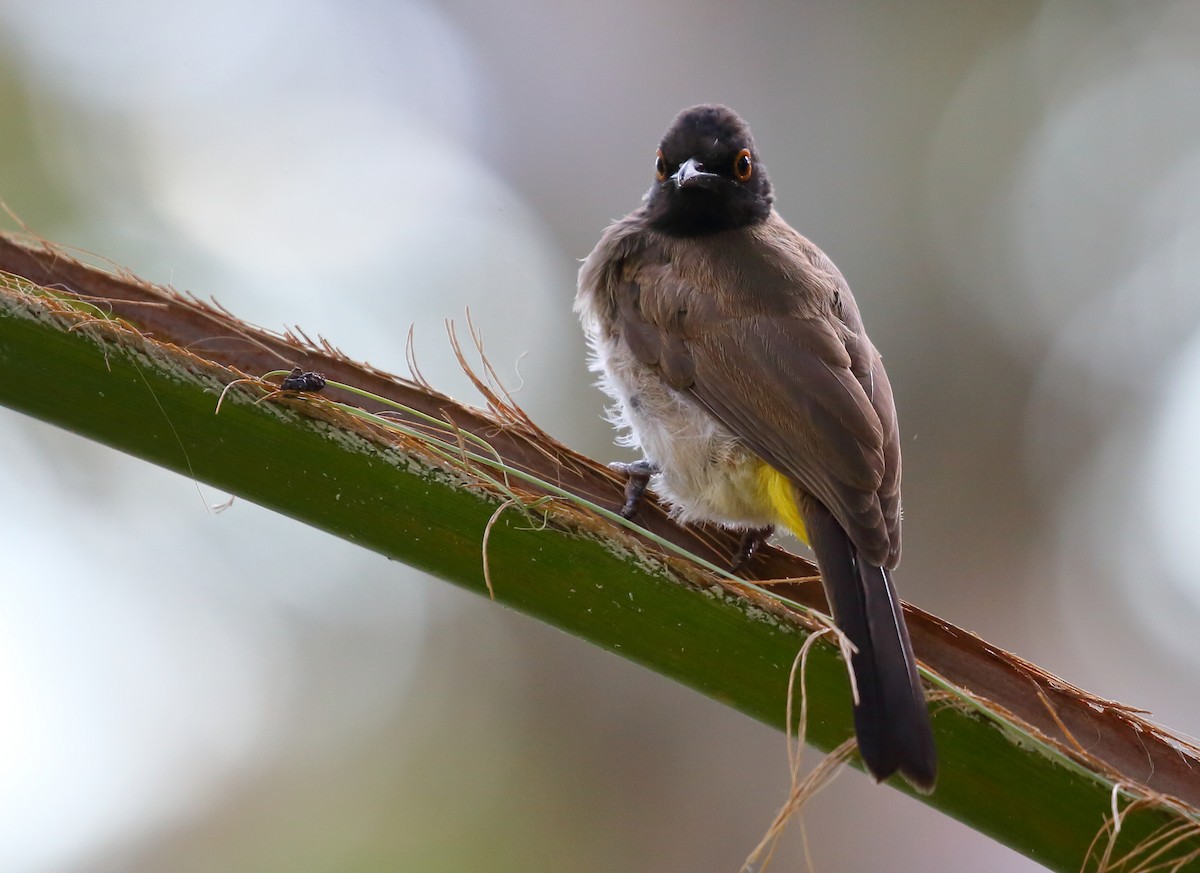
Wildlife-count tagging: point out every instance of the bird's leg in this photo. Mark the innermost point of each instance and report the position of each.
(638, 477)
(751, 540)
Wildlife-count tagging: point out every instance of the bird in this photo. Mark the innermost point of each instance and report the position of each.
(738, 365)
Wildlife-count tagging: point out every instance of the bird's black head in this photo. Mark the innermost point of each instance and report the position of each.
(707, 175)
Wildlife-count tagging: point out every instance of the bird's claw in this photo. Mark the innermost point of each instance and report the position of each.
(751, 540)
(637, 479)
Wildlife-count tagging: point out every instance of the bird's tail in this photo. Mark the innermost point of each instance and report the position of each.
(890, 718)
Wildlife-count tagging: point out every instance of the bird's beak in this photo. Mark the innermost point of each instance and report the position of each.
(689, 175)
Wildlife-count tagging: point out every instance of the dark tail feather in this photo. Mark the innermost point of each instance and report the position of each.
(891, 718)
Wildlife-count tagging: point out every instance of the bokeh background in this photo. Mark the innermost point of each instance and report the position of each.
(1012, 188)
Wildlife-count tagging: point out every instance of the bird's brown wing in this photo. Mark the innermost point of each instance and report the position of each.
(806, 393)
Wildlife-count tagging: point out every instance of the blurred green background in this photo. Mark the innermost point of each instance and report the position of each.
(1012, 189)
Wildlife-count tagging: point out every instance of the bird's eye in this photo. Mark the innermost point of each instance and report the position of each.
(743, 167)
(660, 166)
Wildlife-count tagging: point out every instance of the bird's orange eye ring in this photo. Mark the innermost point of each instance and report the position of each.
(660, 165)
(743, 167)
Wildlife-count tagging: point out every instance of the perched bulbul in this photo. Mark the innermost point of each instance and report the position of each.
(740, 368)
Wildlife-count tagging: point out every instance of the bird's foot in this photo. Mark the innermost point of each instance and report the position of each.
(749, 544)
(637, 479)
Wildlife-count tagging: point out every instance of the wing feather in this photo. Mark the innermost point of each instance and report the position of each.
(794, 378)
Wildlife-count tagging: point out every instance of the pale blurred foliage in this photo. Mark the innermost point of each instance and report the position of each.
(1012, 189)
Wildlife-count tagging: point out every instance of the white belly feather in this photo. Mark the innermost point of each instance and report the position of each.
(707, 474)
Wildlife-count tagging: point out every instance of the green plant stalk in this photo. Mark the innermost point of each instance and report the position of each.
(159, 404)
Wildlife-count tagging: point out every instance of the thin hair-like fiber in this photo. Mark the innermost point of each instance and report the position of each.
(802, 790)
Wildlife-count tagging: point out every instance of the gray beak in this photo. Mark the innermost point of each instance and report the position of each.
(689, 175)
